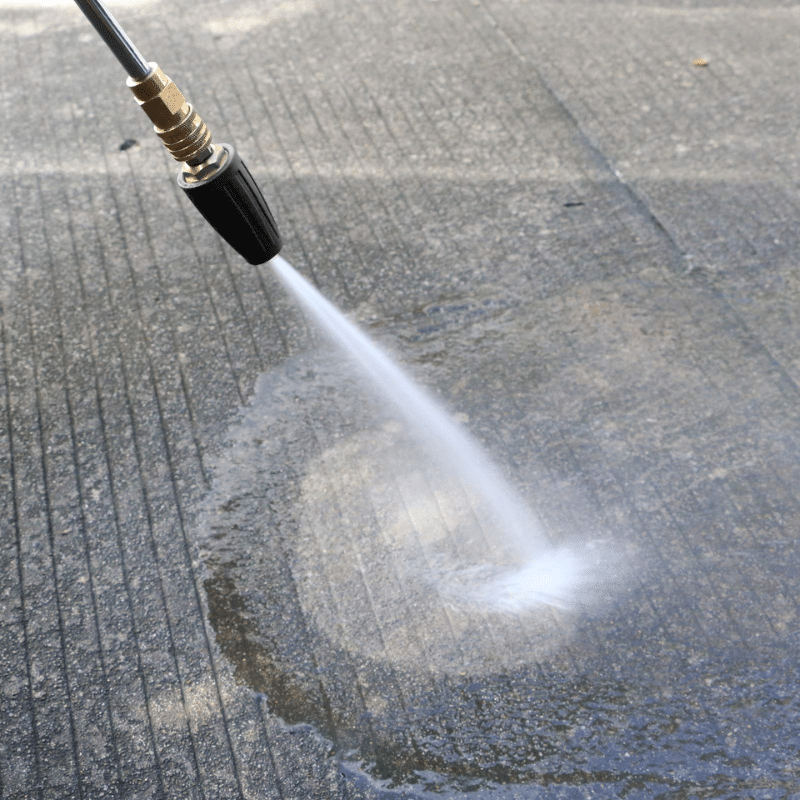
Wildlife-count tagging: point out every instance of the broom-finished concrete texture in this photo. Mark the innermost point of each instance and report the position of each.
(576, 222)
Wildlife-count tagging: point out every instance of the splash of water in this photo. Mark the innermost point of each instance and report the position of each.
(542, 574)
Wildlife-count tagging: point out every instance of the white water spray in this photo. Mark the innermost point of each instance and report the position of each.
(543, 575)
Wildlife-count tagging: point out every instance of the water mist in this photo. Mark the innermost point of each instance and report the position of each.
(539, 573)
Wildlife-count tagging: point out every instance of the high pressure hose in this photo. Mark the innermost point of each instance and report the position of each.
(213, 176)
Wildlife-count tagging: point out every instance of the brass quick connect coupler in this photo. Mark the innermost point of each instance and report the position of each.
(213, 176)
(176, 122)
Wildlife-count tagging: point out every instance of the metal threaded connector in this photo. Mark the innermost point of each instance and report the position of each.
(176, 122)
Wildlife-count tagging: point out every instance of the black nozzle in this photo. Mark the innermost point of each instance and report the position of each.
(232, 203)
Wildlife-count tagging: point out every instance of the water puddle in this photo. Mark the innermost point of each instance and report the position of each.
(362, 579)
(366, 562)
(355, 581)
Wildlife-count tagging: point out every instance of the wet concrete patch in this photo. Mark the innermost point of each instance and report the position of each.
(618, 410)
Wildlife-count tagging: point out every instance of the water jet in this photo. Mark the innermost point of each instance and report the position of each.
(529, 571)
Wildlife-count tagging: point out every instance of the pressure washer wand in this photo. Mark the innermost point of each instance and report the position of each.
(213, 176)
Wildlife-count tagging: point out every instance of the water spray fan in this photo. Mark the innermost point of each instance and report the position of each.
(213, 176)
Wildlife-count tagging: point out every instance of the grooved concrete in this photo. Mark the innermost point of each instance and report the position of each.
(585, 244)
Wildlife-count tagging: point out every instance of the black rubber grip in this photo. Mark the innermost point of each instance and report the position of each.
(232, 203)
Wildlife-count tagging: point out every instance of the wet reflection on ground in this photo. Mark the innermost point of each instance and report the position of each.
(328, 538)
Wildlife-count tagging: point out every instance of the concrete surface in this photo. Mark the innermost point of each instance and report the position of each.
(585, 244)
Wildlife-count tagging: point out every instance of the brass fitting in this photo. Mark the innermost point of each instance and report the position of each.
(175, 121)
(210, 166)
